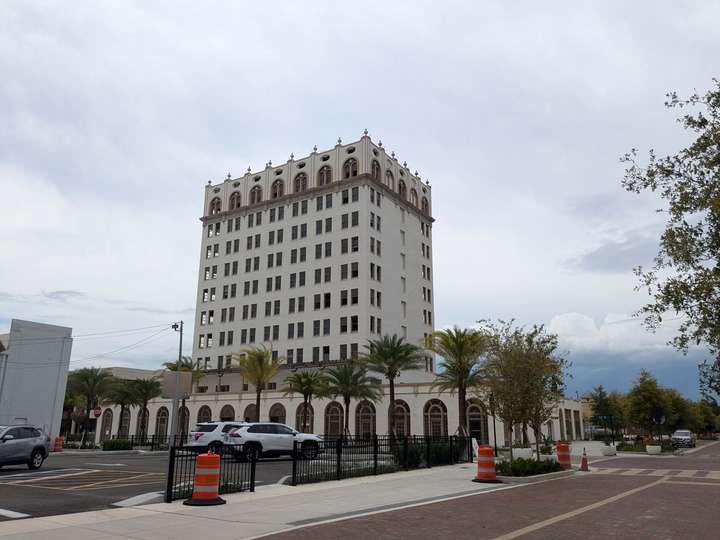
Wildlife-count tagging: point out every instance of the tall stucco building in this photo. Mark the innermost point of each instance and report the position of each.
(312, 258)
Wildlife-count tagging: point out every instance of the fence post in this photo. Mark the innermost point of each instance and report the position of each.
(170, 476)
(427, 451)
(294, 463)
(338, 451)
(405, 453)
(253, 462)
(375, 453)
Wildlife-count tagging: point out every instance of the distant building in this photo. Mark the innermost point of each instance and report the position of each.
(34, 360)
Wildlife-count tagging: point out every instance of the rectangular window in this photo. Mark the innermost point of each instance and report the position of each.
(303, 254)
(299, 355)
(326, 327)
(328, 249)
(318, 276)
(278, 282)
(355, 218)
(354, 270)
(317, 301)
(256, 263)
(230, 338)
(318, 251)
(378, 224)
(344, 246)
(303, 230)
(237, 223)
(303, 207)
(293, 278)
(253, 311)
(266, 333)
(353, 350)
(354, 296)
(272, 215)
(293, 256)
(318, 226)
(379, 299)
(301, 304)
(355, 194)
(268, 284)
(270, 260)
(403, 284)
(295, 208)
(280, 236)
(236, 245)
(245, 312)
(223, 315)
(345, 196)
(289, 356)
(343, 271)
(328, 225)
(278, 258)
(231, 314)
(243, 336)
(301, 329)
(319, 203)
(294, 232)
(281, 213)
(291, 306)
(372, 324)
(343, 352)
(355, 244)
(207, 273)
(276, 307)
(344, 297)
(251, 220)
(291, 331)
(271, 238)
(354, 323)
(249, 242)
(268, 308)
(255, 286)
(234, 268)
(258, 218)
(301, 279)
(227, 269)
(252, 336)
(326, 353)
(327, 300)
(343, 325)
(316, 354)
(276, 332)
(344, 222)
(328, 200)
(327, 274)
(316, 328)
(257, 240)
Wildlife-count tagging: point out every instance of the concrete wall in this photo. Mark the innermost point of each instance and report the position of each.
(33, 375)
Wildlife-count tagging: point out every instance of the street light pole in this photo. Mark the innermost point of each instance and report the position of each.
(174, 417)
(492, 411)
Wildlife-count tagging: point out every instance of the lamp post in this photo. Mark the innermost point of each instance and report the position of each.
(492, 411)
(174, 418)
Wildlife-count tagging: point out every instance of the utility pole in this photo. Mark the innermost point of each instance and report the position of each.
(174, 416)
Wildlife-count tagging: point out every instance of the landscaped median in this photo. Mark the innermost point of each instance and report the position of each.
(523, 471)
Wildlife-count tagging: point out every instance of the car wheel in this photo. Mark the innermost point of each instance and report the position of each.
(252, 452)
(309, 450)
(36, 460)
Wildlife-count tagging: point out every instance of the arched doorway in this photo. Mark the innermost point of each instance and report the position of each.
(435, 416)
(250, 414)
(184, 421)
(477, 423)
(124, 428)
(333, 419)
(277, 413)
(161, 423)
(307, 427)
(204, 414)
(365, 420)
(401, 418)
(227, 413)
(106, 425)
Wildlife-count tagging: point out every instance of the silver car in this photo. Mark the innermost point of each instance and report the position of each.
(23, 445)
(684, 438)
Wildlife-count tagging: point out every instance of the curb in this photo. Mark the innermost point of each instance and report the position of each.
(535, 478)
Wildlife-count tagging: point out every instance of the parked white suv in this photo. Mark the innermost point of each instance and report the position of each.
(214, 435)
(271, 439)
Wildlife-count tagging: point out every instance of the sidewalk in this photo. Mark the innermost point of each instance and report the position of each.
(270, 509)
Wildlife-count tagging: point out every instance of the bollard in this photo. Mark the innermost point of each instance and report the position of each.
(584, 463)
(563, 455)
(486, 466)
(58, 444)
(207, 481)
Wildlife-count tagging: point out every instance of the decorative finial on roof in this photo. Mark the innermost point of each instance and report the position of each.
(314, 148)
(339, 140)
(405, 164)
(380, 144)
(365, 132)
(209, 183)
(292, 155)
(392, 154)
(229, 176)
(249, 169)
(416, 173)
(427, 182)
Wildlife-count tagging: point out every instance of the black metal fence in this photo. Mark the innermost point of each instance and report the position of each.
(236, 472)
(350, 457)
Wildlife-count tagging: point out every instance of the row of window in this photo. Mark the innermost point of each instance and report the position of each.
(324, 177)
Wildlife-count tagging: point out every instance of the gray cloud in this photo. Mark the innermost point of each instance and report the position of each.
(63, 296)
(618, 256)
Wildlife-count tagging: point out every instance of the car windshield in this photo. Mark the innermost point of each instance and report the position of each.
(205, 428)
(682, 433)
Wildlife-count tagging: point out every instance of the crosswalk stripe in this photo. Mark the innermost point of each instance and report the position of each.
(12, 515)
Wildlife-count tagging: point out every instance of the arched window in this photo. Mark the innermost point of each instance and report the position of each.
(106, 425)
(255, 195)
(204, 414)
(124, 428)
(425, 206)
(235, 200)
(390, 180)
(250, 414)
(402, 190)
(401, 417)
(141, 426)
(277, 189)
(184, 421)
(277, 413)
(375, 170)
(304, 422)
(333, 419)
(365, 420)
(350, 168)
(215, 206)
(301, 183)
(161, 423)
(435, 416)
(477, 423)
(413, 198)
(324, 175)
(227, 414)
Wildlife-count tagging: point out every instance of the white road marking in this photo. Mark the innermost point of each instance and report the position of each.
(107, 464)
(12, 515)
(36, 479)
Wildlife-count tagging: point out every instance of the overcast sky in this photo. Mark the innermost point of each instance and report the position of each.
(113, 116)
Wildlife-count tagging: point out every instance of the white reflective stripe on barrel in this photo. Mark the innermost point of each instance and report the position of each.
(486, 459)
(207, 471)
(206, 488)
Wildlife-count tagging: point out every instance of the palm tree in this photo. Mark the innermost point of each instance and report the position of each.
(389, 357)
(308, 384)
(92, 384)
(122, 393)
(257, 366)
(186, 364)
(461, 350)
(145, 390)
(350, 380)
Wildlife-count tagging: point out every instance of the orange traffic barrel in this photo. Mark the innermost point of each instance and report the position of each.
(58, 444)
(563, 455)
(486, 465)
(207, 481)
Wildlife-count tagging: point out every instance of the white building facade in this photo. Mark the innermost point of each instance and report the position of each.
(312, 258)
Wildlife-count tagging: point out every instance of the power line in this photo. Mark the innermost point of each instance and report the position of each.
(109, 333)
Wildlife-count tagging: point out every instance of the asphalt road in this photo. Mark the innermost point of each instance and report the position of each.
(70, 483)
(670, 497)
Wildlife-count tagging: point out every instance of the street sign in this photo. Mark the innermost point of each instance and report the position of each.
(97, 412)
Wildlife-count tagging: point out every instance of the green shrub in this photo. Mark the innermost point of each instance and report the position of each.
(630, 447)
(117, 444)
(527, 467)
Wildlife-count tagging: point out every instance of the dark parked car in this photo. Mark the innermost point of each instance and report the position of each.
(684, 438)
(23, 445)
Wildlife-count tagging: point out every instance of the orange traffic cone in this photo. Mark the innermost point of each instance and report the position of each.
(584, 463)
